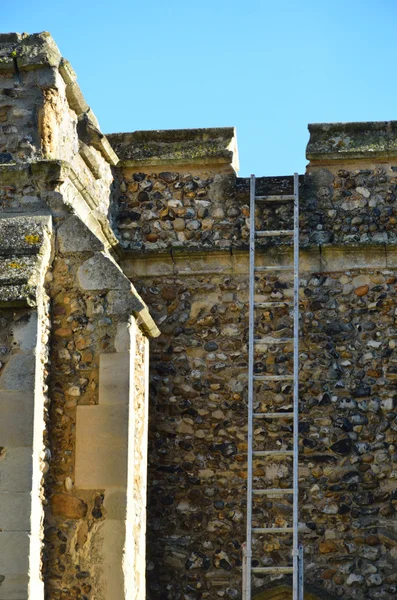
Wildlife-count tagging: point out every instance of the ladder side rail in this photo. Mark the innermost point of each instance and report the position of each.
(301, 574)
(247, 591)
(295, 548)
(244, 550)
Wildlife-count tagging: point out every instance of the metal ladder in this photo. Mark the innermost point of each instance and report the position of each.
(297, 552)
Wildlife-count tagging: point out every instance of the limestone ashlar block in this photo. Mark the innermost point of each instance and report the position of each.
(16, 470)
(114, 378)
(216, 145)
(101, 446)
(121, 302)
(15, 511)
(17, 269)
(14, 587)
(391, 257)
(16, 418)
(113, 579)
(31, 51)
(345, 258)
(14, 557)
(22, 235)
(122, 341)
(74, 236)
(115, 504)
(375, 139)
(18, 373)
(100, 272)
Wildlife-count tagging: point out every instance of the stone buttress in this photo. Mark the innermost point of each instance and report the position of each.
(73, 347)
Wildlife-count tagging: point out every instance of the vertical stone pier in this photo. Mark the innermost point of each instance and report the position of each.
(73, 347)
(24, 317)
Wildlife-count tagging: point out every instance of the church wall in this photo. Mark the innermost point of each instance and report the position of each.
(75, 526)
(198, 295)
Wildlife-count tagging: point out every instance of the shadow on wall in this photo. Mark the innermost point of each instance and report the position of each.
(284, 592)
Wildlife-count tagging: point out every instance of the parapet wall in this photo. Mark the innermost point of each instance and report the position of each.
(185, 234)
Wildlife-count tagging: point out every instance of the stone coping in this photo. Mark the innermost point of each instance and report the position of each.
(25, 52)
(22, 235)
(24, 251)
(341, 141)
(213, 145)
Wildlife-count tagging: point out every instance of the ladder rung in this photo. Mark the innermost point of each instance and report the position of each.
(272, 340)
(274, 268)
(273, 377)
(272, 529)
(272, 569)
(274, 198)
(274, 415)
(273, 491)
(275, 232)
(272, 453)
(272, 304)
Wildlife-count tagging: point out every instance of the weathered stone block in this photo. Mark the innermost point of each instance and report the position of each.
(15, 511)
(114, 378)
(121, 302)
(16, 418)
(14, 557)
(14, 587)
(18, 373)
(16, 470)
(101, 446)
(116, 504)
(99, 273)
(74, 236)
(216, 145)
(352, 140)
(114, 539)
(122, 341)
(22, 235)
(344, 258)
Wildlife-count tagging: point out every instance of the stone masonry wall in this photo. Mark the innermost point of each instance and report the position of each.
(88, 436)
(96, 482)
(198, 432)
(199, 299)
(181, 218)
(24, 447)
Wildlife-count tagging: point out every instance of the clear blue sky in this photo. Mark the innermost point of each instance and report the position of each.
(267, 67)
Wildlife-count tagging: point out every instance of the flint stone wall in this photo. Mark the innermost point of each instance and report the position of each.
(185, 231)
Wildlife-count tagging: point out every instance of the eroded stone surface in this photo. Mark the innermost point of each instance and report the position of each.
(101, 273)
(74, 236)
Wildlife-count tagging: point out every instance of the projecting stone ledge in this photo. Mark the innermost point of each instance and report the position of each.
(28, 51)
(341, 141)
(24, 252)
(215, 145)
